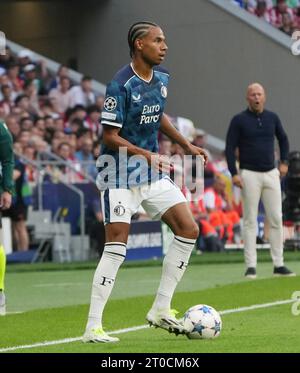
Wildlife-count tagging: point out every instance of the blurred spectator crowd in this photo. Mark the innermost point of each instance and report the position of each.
(47, 113)
(282, 14)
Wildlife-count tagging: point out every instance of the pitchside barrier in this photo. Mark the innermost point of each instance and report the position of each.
(145, 241)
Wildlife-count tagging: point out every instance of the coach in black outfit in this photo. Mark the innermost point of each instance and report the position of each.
(252, 132)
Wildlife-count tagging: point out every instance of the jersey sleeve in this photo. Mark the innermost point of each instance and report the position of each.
(113, 113)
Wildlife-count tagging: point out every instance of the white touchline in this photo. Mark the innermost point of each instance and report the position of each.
(60, 284)
(13, 313)
(68, 340)
(134, 328)
(257, 306)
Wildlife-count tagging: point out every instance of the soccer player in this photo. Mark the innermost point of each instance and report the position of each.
(132, 115)
(6, 187)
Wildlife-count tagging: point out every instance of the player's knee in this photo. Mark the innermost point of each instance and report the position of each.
(188, 231)
(191, 231)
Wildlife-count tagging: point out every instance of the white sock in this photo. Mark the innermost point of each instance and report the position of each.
(174, 266)
(113, 256)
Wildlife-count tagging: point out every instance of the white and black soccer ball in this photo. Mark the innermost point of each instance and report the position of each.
(202, 322)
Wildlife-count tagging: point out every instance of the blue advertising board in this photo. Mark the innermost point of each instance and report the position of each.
(145, 238)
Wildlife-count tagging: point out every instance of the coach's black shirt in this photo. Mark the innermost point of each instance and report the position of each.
(254, 134)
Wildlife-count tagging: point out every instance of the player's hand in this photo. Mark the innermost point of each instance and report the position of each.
(283, 169)
(161, 163)
(5, 201)
(195, 150)
(237, 181)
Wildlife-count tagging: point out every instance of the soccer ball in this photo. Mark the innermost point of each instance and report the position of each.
(202, 322)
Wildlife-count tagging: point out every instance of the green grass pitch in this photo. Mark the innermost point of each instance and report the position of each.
(54, 306)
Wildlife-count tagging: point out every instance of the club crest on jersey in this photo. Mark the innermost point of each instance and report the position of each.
(110, 104)
(164, 91)
(119, 210)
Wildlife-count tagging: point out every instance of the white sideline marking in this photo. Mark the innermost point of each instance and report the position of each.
(69, 340)
(257, 306)
(60, 284)
(14, 312)
(140, 327)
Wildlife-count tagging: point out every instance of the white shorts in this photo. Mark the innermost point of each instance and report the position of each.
(118, 205)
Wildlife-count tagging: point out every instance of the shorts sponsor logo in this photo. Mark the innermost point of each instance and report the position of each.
(110, 104)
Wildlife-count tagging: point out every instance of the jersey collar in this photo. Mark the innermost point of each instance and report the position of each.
(144, 80)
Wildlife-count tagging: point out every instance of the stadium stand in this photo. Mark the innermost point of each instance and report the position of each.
(282, 14)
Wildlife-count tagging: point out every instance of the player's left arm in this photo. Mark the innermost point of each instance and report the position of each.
(284, 147)
(169, 130)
